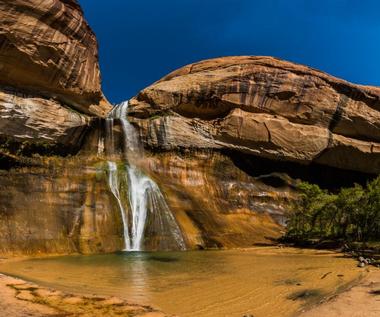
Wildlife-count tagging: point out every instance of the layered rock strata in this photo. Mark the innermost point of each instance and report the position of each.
(63, 206)
(218, 205)
(50, 79)
(265, 107)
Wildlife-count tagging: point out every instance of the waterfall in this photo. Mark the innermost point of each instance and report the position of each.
(148, 210)
(132, 144)
(113, 183)
(139, 187)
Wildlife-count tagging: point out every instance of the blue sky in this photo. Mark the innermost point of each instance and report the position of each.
(142, 40)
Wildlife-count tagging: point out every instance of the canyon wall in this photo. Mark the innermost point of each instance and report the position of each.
(265, 107)
(233, 136)
(227, 140)
(50, 80)
(63, 206)
(50, 99)
(218, 205)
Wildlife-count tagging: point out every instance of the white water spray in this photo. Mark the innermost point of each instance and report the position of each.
(147, 203)
(113, 182)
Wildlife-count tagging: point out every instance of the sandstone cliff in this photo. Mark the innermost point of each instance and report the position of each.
(265, 107)
(50, 95)
(62, 206)
(50, 79)
(218, 205)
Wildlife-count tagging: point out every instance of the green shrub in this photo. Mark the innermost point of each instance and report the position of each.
(352, 214)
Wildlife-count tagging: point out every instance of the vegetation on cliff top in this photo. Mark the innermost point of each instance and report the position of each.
(351, 214)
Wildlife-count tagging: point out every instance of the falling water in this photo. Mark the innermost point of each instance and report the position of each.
(139, 187)
(148, 211)
(113, 183)
(132, 143)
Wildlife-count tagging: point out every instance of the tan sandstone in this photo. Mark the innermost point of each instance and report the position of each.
(50, 78)
(266, 107)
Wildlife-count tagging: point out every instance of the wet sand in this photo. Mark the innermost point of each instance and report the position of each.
(362, 300)
(20, 298)
(23, 299)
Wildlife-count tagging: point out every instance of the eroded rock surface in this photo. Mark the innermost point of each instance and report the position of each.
(29, 118)
(216, 204)
(63, 206)
(50, 79)
(266, 107)
(47, 46)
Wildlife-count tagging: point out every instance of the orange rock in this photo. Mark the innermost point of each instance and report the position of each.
(48, 46)
(50, 78)
(266, 107)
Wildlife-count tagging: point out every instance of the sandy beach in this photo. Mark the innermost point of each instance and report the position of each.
(361, 300)
(20, 298)
(23, 299)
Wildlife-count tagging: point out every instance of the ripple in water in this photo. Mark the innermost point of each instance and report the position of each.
(261, 282)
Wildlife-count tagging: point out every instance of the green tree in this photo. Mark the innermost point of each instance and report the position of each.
(370, 217)
(352, 214)
(350, 204)
(307, 213)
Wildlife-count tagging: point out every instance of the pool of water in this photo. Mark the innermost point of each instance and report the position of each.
(262, 282)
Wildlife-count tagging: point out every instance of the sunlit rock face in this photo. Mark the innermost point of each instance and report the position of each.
(50, 95)
(62, 206)
(232, 136)
(26, 117)
(50, 79)
(218, 205)
(265, 107)
(229, 199)
(47, 46)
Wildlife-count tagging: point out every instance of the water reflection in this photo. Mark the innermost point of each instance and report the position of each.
(262, 282)
(136, 274)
